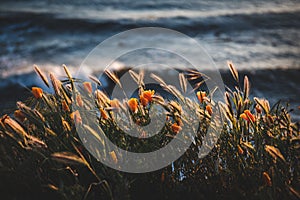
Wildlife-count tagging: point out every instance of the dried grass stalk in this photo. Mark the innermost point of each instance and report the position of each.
(67, 158)
(274, 152)
(182, 81)
(55, 83)
(95, 79)
(134, 76)
(246, 87)
(141, 78)
(67, 72)
(158, 79)
(41, 75)
(113, 77)
(233, 70)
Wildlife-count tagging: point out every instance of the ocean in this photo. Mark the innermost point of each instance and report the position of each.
(260, 36)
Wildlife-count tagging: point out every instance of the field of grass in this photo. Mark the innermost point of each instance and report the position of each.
(42, 155)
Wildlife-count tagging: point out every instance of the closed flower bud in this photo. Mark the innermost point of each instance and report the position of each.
(240, 150)
(250, 115)
(201, 95)
(104, 114)
(209, 109)
(37, 92)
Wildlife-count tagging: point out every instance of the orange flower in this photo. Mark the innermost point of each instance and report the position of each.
(146, 97)
(65, 106)
(143, 100)
(267, 179)
(37, 92)
(248, 116)
(176, 128)
(104, 114)
(114, 103)
(148, 94)
(240, 150)
(201, 95)
(19, 115)
(88, 87)
(75, 116)
(79, 101)
(244, 116)
(209, 109)
(133, 104)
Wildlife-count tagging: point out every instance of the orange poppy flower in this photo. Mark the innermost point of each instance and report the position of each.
(176, 128)
(244, 116)
(88, 87)
(209, 109)
(37, 92)
(201, 95)
(148, 94)
(133, 104)
(248, 116)
(65, 106)
(104, 114)
(75, 116)
(143, 100)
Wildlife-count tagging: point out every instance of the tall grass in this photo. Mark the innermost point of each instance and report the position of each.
(256, 156)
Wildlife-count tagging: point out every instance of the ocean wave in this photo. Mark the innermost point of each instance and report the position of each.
(109, 12)
(181, 20)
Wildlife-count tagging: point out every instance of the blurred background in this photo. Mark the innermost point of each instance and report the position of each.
(260, 36)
